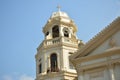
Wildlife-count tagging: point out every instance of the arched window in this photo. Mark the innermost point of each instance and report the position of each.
(55, 31)
(66, 32)
(54, 65)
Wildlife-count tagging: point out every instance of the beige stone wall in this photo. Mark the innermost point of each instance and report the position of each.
(103, 74)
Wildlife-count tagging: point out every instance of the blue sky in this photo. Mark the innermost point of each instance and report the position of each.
(21, 23)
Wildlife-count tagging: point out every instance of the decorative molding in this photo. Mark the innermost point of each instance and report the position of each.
(108, 53)
(58, 21)
(53, 75)
(112, 42)
(58, 42)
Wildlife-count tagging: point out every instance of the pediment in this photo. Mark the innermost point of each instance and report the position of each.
(111, 42)
(107, 38)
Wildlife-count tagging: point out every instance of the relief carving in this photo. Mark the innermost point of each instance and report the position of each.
(112, 43)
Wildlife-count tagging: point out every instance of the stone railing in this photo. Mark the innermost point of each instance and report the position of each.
(54, 41)
(57, 41)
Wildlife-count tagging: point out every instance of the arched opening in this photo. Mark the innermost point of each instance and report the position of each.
(55, 31)
(66, 32)
(54, 64)
(40, 68)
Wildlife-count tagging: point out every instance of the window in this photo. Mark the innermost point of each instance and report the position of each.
(54, 65)
(66, 32)
(55, 31)
(40, 68)
(47, 33)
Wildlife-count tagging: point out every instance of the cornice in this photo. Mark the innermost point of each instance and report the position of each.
(60, 43)
(108, 53)
(56, 74)
(58, 21)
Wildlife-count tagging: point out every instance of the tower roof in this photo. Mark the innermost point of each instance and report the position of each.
(59, 17)
(59, 14)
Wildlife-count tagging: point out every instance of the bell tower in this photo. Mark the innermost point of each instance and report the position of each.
(52, 58)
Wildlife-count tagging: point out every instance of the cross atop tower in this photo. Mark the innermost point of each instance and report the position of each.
(59, 7)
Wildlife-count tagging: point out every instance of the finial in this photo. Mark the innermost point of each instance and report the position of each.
(58, 7)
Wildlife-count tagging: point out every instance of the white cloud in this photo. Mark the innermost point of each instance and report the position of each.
(17, 77)
(7, 77)
(26, 77)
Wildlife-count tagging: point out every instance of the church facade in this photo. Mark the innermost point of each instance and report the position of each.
(62, 56)
(99, 59)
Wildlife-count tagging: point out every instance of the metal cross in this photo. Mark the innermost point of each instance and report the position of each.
(58, 7)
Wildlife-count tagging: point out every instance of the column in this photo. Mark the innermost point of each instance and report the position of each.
(110, 68)
(48, 60)
(79, 72)
(111, 72)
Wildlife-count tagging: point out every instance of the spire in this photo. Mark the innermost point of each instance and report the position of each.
(59, 7)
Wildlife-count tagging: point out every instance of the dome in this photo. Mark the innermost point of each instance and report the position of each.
(59, 14)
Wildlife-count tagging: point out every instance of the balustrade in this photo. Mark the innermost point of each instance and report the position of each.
(59, 40)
